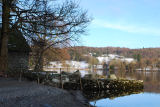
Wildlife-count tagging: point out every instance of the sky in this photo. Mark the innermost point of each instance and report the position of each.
(122, 23)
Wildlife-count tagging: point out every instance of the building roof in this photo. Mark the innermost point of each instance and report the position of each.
(17, 42)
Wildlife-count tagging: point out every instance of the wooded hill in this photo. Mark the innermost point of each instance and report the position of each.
(76, 52)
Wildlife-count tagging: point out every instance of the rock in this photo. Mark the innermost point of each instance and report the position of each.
(64, 79)
(46, 105)
(112, 76)
(55, 80)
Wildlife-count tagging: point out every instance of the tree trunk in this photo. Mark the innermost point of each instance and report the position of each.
(4, 37)
(39, 60)
(39, 64)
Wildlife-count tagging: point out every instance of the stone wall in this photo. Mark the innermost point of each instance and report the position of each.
(18, 61)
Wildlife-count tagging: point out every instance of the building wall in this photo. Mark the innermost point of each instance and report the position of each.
(18, 61)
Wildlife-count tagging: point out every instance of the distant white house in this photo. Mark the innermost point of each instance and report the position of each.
(128, 60)
(103, 59)
(110, 57)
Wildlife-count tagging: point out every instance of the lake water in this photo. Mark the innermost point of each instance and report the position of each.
(150, 97)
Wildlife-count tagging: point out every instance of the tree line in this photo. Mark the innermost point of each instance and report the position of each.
(145, 57)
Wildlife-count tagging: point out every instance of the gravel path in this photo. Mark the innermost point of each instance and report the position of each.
(29, 94)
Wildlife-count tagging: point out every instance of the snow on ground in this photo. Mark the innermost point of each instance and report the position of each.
(103, 59)
(112, 57)
(30, 94)
(129, 60)
(72, 64)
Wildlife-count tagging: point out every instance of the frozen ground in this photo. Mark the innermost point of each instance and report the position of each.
(29, 94)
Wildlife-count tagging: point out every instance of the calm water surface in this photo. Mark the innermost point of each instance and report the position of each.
(149, 98)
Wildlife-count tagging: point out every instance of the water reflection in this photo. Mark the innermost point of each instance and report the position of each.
(151, 80)
(135, 100)
(149, 97)
(111, 94)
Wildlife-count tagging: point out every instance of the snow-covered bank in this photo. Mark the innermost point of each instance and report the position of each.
(29, 94)
(70, 64)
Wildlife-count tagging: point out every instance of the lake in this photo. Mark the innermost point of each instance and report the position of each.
(150, 97)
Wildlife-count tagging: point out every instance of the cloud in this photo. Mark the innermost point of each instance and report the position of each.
(127, 28)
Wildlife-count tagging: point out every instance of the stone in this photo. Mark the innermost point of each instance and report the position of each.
(112, 76)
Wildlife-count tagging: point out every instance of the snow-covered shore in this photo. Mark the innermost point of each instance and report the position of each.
(30, 94)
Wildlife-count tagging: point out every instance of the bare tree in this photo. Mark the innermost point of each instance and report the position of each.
(46, 25)
(56, 26)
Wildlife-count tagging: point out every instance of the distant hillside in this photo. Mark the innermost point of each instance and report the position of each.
(77, 52)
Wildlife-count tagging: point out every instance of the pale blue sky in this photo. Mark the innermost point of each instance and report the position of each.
(123, 23)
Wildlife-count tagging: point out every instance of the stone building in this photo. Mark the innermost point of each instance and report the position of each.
(18, 51)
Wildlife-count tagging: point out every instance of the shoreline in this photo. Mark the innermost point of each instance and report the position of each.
(31, 94)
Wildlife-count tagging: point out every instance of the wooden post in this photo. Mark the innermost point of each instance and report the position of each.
(38, 81)
(80, 80)
(22, 63)
(20, 76)
(61, 82)
(98, 85)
